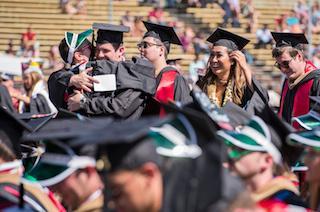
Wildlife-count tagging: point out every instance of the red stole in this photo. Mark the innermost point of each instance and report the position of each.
(301, 102)
(165, 89)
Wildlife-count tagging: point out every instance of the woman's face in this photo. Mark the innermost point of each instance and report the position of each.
(27, 81)
(219, 60)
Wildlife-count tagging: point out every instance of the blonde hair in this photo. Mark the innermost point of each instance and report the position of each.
(235, 73)
(35, 77)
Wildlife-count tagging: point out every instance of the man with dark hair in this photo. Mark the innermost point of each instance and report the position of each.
(130, 87)
(133, 81)
(302, 77)
(155, 46)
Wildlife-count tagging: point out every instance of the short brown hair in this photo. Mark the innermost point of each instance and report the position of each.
(293, 51)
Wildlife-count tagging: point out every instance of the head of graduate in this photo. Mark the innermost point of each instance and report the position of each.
(109, 43)
(223, 66)
(289, 55)
(75, 48)
(155, 44)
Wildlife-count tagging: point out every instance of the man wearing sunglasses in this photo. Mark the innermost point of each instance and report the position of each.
(155, 47)
(301, 76)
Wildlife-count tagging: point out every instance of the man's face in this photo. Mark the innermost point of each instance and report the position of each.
(248, 165)
(150, 49)
(292, 67)
(106, 51)
(71, 190)
(130, 191)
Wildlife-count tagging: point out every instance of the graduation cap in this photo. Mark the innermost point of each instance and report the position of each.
(173, 61)
(309, 138)
(279, 131)
(74, 41)
(311, 120)
(165, 34)
(130, 144)
(253, 137)
(57, 163)
(289, 39)
(237, 115)
(33, 66)
(221, 37)
(35, 121)
(13, 128)
(66, 129)
(108, 33)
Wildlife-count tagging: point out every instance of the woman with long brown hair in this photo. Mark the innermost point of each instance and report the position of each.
(36, 99)
(228, 76)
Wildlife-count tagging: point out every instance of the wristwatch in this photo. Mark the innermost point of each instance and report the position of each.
(83, 101)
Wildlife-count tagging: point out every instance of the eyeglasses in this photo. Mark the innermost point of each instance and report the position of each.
(284, 64)
(146, 45)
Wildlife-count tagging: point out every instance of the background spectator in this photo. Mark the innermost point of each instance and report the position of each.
(264, 37)
(10, 50)
(28, 39)
(199, 44)
(156, 15)
(293, 22)
(249, 12)
(127, 19)
(301, 9)
(54, 61)
(231, 10)
(138, 28)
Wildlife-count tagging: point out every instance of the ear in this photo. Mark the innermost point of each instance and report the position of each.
(267, 161)
(150, 170)
(77, 56)
(121, 51)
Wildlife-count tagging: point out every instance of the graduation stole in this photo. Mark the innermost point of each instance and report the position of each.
(165, 89)
(227, 97)
(74, 40)
(301, 99)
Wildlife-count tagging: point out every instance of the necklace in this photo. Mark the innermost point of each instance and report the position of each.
(212, 93)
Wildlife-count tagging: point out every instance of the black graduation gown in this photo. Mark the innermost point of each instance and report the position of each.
(248, 93)
(181, 88)
(289, 99)
(39, 105)
(135, 85)
(58, 86)
(5, 99)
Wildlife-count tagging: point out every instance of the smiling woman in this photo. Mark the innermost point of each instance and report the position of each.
(228, 77)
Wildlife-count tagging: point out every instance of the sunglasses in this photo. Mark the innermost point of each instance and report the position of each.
(284, 64)
(146, 45)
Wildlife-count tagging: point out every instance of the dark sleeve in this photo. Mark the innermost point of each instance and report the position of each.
(315, 90)
(39, 105)
(263, 93)
(122, 104)
(181, 90)
(5, 99)
(57, 86)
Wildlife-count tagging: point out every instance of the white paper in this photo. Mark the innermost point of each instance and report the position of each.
(107, 82)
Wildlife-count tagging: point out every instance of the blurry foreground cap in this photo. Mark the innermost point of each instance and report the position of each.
(13, 127)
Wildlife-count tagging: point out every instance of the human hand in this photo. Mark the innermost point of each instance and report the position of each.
(74, 101)
(83, 81)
